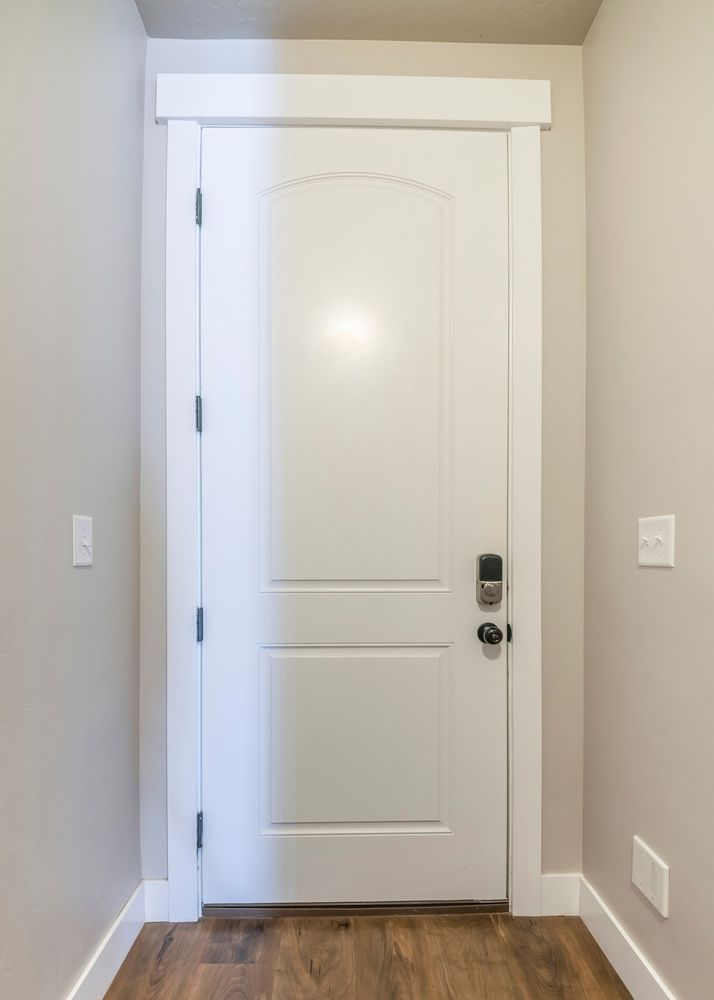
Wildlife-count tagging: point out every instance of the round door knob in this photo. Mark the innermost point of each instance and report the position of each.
(490, 634)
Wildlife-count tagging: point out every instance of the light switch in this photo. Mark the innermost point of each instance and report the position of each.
(655, 541)
(82, 546)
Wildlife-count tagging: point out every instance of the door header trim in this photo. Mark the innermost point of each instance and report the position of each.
(387, 101)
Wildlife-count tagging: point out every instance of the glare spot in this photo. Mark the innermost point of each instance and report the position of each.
(350, 333)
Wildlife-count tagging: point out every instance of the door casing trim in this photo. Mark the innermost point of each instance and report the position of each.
(520, 108)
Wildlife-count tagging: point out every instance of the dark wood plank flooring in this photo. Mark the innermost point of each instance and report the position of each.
(477, 957)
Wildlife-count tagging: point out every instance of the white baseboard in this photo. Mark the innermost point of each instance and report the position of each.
(156, 891)
(560, 895)
(148, 903)
(112, 950)
(632, 966)
(572, 895)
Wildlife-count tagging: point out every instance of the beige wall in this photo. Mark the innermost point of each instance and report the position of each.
(564, 346)
(649, 723)
(70, 175)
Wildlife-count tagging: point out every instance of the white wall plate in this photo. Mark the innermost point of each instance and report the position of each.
(82, 542)
(655, 541)
(651, 875)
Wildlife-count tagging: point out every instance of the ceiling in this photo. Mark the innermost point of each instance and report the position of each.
(557, 22)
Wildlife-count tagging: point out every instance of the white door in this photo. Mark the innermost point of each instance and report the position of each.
(354, 331)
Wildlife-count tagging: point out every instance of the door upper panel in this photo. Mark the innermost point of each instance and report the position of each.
(355, 303)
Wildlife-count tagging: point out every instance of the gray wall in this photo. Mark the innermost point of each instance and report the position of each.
(563, 417)
(649, 723)
(72, 79)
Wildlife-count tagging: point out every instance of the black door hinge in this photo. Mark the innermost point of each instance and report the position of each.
(199, 831)
(509, 633)
(199, 414)
(199, 207)
(199, 624)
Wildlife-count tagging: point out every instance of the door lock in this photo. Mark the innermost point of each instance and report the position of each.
(489, 579)
(490, 634)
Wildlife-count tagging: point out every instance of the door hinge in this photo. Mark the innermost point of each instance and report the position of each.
(199, 831)
(199, 207)
(199, 414)
(199, 624)
(509, 633)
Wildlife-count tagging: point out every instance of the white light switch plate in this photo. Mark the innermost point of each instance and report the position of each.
(651, 875)
(82, 543)
(655, 540)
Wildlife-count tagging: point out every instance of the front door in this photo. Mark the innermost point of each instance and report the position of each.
(354, 374)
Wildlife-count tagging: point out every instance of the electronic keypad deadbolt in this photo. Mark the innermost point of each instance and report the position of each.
(489, 579)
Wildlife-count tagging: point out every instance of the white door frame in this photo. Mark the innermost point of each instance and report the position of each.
(519, 107)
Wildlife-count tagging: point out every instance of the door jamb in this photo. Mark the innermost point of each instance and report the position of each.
(519, 107)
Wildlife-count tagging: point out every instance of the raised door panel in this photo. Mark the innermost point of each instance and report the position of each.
(354, 305)
(355, 739)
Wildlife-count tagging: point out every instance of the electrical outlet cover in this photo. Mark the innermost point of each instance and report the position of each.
(650, 875)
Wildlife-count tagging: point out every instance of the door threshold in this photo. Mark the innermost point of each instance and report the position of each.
(452, 907)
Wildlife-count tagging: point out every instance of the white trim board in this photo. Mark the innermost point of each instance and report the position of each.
(631, 964)
(148, 903)
(519, 107)
(524, 522)
(387, 101)
(106, 961)
(183, 595)
(571, 895)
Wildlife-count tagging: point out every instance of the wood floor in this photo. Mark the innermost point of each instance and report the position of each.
(478, 957)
